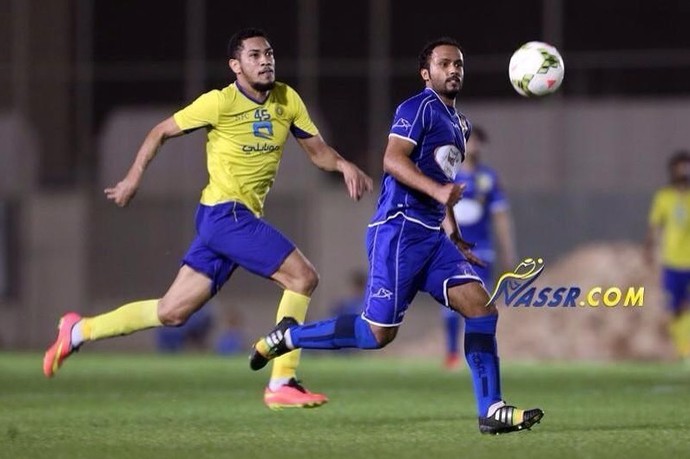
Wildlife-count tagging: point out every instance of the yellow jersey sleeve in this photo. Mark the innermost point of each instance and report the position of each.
(200, 113)
(657, 214)
(302, 126)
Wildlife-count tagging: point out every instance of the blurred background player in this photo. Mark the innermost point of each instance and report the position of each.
(231, 339)
(194, 333)
(247, 124)
(353, 301)
(482, 213)
(669, 228)
(414, 244)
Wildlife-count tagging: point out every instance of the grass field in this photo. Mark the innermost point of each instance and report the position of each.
(121, 406)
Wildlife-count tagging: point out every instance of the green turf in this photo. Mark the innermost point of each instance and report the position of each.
(118, 406)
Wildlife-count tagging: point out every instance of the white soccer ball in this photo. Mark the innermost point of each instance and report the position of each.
(536, 69)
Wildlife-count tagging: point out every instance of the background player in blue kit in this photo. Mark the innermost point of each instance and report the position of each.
(407, 250)
(482, 213)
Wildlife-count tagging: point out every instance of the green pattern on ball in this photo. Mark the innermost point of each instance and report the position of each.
(550, 61)
(523, 83)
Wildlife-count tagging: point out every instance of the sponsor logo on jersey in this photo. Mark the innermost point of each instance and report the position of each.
(260, 148)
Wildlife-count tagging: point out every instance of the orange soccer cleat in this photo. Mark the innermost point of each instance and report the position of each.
(62, 347)
(292, 395)
(452, 362)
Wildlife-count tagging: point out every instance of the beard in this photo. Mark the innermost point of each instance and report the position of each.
(262, 87)
(681, 180)
(449, 93)
(445, 90)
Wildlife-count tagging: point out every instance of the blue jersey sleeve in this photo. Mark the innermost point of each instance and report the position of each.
(411, 120)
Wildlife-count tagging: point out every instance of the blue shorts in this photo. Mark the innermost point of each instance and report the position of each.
(404, 258)
(230, 235)
(485, 273)
(677, 285)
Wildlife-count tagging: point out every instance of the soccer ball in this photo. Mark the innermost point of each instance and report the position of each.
(536, 69)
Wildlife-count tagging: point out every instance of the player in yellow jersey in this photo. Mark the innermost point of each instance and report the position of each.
(669, 225)
(248, 123)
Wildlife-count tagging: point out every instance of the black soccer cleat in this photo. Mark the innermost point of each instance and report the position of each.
(508, 419)
(272, 345)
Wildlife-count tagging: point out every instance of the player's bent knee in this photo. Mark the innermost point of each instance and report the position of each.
(311, 280)
(383, 342)
(305, 282)
(172, 317)
(172, 320)
(297, 274)
(384, 335)
(471, 300)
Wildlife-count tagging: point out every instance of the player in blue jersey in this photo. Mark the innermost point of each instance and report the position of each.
(483, 210)
(408, 251)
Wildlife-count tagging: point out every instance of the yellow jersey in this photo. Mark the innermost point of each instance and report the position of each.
(245, 140)
(671, 212)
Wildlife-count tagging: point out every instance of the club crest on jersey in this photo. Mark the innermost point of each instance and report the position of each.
(402, 123)
(448, 158)
(484, 182)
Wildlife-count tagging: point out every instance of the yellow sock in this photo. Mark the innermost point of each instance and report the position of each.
(122, 321)
(295, 305)
(680, 333)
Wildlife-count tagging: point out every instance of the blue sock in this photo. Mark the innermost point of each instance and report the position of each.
(336, 333)
(482, 358)
(452, 323)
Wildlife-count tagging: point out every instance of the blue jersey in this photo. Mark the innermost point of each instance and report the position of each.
(483, 195)
(438, 133)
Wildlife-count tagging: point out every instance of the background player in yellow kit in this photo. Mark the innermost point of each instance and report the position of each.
(669, 225)
(248, 123)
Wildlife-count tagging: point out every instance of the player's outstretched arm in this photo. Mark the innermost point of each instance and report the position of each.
(326, 158)
(396, 162)
(126, 188)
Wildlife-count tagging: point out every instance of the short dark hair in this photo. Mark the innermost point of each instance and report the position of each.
(680, 156)
(429, 48)
(236, 41)
(479, 133)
